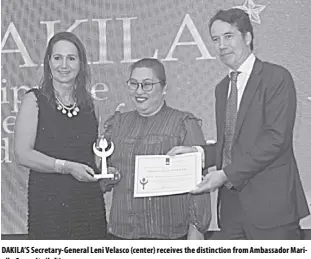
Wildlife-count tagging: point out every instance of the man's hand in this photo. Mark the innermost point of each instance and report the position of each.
(211, 182)
(178, 150)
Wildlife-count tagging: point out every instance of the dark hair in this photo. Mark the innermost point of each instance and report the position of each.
(82, 95)
(154, 64)
(236, 17)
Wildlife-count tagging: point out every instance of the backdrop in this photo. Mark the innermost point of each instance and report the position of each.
(118, 32)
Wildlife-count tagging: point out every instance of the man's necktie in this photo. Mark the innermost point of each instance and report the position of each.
(231, 115)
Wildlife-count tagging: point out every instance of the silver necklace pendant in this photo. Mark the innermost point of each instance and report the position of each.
(69, 111)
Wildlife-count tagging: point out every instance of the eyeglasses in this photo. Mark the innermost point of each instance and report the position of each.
(146, 85)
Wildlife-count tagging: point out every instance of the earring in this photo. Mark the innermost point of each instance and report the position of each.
(164, 93)
(50, 76)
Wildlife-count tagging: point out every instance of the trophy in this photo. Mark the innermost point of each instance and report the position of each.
(103, 150)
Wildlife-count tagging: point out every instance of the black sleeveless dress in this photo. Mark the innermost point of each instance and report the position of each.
(59, 206)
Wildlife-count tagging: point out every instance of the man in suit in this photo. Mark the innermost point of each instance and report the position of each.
(260, 191)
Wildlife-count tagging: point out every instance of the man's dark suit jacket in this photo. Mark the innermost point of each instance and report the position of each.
(263, 168)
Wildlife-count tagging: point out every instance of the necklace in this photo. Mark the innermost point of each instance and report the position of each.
(71, 110)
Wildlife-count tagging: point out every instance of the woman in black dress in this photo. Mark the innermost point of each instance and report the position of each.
(54, 133)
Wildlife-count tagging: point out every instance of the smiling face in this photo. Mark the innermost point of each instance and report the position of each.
(64, 62)
(146, 103)
(232, 47)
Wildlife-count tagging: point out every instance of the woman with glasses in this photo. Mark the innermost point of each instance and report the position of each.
(153, 128)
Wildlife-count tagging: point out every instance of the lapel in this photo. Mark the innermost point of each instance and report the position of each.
(248, 95)
(221, 107)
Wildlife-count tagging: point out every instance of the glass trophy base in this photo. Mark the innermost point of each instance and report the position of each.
(104, 176)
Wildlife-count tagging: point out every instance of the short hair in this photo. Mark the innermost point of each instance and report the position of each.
(154, 64)
(238, 18)
(83, 97)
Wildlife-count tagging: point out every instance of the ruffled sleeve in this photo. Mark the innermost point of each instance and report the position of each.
(110, 126)
(200, 211)
(191, 131)
(199, 205)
